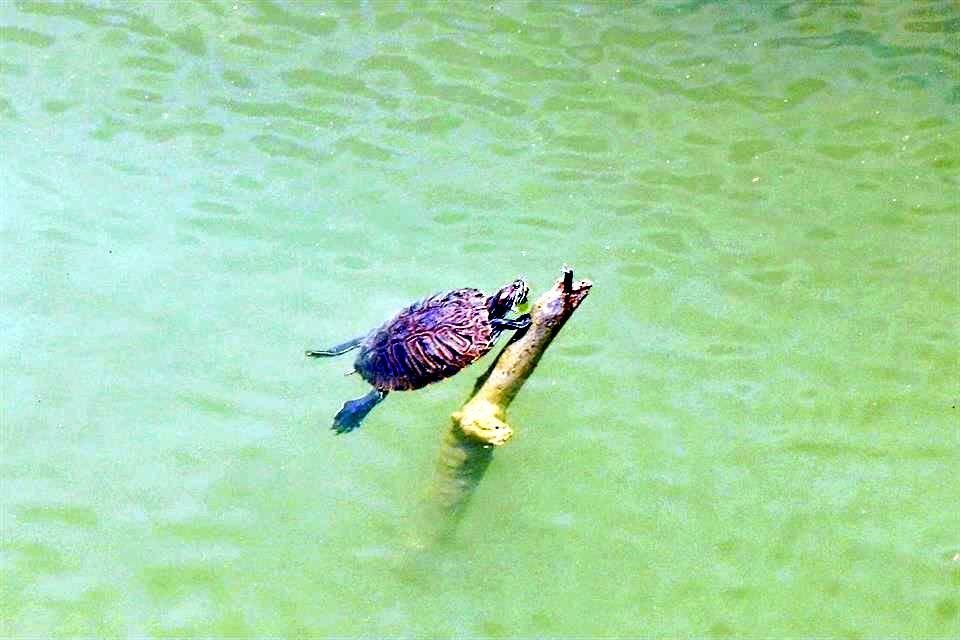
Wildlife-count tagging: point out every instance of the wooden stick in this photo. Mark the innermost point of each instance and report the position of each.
(481, 424)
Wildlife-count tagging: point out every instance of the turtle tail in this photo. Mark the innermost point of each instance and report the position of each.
(338, 350)
(354, 411)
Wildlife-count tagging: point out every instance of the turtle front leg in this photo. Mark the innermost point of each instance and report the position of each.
(501, 324)
(338, 350)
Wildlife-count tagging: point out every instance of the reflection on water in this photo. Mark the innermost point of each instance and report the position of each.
(754, 419)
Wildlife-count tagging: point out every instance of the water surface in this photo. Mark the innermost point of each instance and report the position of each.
(750, 428)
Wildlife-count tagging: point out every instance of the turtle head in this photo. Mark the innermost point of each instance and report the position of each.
(509, 297)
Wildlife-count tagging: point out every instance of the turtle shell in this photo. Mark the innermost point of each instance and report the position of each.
(428, 341)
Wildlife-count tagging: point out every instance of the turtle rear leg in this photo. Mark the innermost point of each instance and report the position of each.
(354, 411)
(338, 350)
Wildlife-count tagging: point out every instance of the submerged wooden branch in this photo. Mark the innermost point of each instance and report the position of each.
(481, 424)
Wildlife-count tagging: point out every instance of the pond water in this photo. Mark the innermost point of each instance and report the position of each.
(749, 428)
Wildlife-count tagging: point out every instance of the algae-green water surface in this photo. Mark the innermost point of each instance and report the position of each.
(750, 428)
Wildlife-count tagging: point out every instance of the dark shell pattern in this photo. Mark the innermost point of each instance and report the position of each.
(428, 341)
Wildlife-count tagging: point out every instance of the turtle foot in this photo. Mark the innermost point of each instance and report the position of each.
(354, 411)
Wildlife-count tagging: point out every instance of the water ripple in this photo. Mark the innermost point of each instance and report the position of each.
(28, 37)
(762, 192)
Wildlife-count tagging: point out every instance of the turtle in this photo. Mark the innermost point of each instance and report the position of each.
(426, 342)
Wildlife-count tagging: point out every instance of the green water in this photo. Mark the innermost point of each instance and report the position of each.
(750, 428)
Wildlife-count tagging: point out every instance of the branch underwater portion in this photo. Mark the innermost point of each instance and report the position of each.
(480, 425)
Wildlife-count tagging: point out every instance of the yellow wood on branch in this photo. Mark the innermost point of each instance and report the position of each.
(481, 424)
(483, 417)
